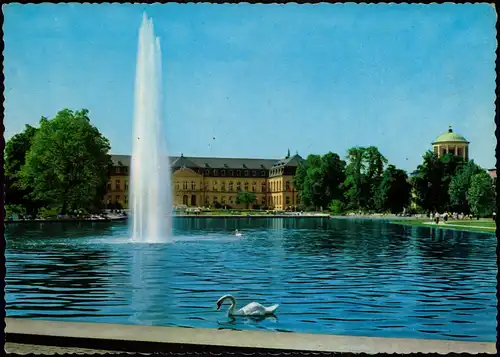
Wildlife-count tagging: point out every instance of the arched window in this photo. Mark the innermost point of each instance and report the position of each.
(246, 186)
(254, 186)
(230, 186)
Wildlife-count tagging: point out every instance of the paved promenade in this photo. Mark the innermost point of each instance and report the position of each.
(133, 338)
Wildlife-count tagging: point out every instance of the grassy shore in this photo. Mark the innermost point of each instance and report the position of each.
(482, 225)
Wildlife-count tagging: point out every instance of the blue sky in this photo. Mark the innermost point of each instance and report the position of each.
(264, 78)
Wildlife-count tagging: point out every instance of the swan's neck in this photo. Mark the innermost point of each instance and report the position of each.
(232, 308)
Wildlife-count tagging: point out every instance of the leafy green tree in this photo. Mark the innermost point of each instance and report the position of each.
(246, 198)
(363, 177)
(333, 170)
(68, 163)
(432, 180)
(481, 195)
(459, 186)
(16, 150)
(375, 163)
(355, 180)
(336, 207)
(394, 191)
(319, 179)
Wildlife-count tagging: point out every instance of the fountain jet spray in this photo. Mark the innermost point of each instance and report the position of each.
(150, 188)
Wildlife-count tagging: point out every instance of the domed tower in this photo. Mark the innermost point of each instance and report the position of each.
(453, 143)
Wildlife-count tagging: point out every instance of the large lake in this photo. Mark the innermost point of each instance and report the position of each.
(352, 277)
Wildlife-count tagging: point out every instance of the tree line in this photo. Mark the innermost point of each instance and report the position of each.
(366, 182)
(64, 165)
(56, 168)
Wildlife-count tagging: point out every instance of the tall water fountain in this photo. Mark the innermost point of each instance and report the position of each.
(150, 188)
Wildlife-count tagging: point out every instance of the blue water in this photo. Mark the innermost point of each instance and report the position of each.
(352, 277)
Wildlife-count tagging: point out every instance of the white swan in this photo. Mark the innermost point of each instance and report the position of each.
(252, 309)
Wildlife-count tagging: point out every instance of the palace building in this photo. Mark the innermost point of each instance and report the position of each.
(216, 182)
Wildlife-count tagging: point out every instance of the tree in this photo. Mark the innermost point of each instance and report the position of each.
(355, 180)
(459, 187)
(363, 176)
(336, 207)
(375, 162)
(481, 195)
(246, 198)
(16, 150)
(432, 179)
(319, 179)
(68, 163)
(394, 191)
(333, 177)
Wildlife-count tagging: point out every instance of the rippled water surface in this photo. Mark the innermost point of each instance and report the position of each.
(348, 277)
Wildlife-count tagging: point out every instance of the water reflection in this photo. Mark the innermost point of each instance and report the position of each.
(354, 277)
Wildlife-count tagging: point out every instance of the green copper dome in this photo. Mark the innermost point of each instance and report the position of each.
(450, 136)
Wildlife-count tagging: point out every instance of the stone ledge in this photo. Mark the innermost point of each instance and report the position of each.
(134, 338)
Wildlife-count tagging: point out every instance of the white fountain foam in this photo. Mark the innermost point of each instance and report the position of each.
(150, 186)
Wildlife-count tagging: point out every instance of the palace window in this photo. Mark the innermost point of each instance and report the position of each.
(246, 172)
(207, 172)
(214, 185)
(117, 198)
(263, 186)
(263, 173)
(177, 185)
(231, 173)
(184, 185)
(287, 185)
(223, 172)
(254, 186)
(216, 172)
(246, 186)
(238, 173)
(118, 169)
(238, 186)
(254, 173)
(193, 185)
(117, 185)
(223, 186)
(125, 169)
(230, 186)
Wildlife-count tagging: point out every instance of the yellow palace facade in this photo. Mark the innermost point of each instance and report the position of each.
(216, 182)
